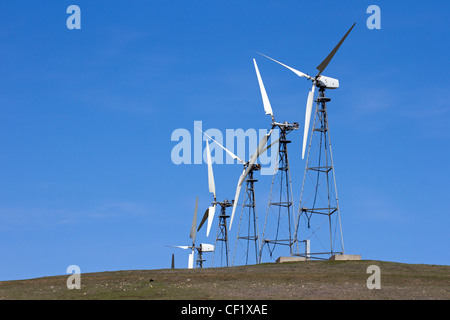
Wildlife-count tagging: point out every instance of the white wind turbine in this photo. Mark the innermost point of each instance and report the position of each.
(222, 234)
(282, 206)
(323, 201)
(204, 247)
(246, 164)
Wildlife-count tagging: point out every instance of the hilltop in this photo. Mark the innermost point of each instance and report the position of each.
(343, 280)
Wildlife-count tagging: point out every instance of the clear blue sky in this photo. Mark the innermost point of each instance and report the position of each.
(86, 118)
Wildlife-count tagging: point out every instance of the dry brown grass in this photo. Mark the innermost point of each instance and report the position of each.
(302, 280)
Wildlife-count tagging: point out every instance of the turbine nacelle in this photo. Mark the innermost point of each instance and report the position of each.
(327, 82)
(287, 125)
(205, 247)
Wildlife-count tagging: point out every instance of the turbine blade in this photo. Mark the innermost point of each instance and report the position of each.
(194, 222)
(205, 216)
(236, 199)
(191, 260)
(226, 150)
(257, 153)
(309, 104)
(299, 73)
(211, 212)
(211, 184)
(327, 60)
(265, 98)
(182, 247)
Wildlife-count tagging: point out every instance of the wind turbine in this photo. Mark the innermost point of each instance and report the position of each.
(322, 200)
(249, 202)
(204, 247)
(285, 198)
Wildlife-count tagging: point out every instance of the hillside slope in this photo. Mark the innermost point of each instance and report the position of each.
(300, 280)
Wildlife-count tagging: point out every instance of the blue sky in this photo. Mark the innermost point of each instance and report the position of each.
(86, 118)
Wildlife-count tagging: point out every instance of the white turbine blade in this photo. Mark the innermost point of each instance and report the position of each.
(309, 104)
(191, 260)
(211, 184)
(257, 153)
(194, 222)
(299, 73)
(226, 150)
(211, 212)
(265, 98)
(182, 247)
(236, 198)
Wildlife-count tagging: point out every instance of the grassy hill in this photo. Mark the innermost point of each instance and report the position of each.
(300, 280)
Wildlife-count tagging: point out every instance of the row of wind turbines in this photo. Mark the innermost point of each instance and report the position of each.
(319, 200)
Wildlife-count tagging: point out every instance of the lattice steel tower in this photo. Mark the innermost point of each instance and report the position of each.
(222, 235)
(279, 221)
(318, 217)
(248, 237)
